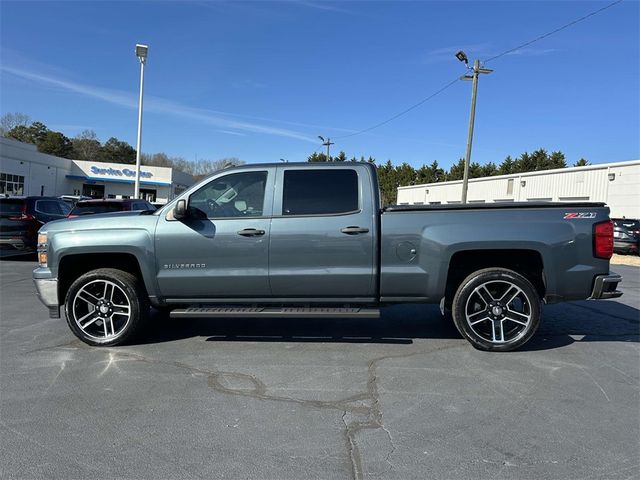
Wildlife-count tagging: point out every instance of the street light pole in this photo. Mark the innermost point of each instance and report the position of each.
(141, 53)
(476, 71)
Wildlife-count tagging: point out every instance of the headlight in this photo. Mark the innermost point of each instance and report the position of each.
(42, 249)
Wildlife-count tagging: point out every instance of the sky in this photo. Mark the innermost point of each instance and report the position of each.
(261, 80)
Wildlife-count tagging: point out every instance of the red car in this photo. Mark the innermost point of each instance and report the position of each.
(91, 207)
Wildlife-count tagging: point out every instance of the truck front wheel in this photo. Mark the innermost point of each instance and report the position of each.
(106, 307)
(496, 309)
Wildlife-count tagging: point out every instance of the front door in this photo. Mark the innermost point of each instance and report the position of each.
(221, 249)
(322, 233)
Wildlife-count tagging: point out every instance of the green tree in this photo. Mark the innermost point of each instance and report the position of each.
(317, 157)
(488, 170)
(117, 151)
(33, 133)
(507, 166)
(583, 162)
(55, 143)
(342, 157)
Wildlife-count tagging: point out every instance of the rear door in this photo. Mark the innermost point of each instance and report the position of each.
(322, 233)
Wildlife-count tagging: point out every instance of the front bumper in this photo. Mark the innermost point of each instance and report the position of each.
(47, 290)
(604, 287)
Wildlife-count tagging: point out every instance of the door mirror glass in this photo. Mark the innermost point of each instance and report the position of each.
(180, 210)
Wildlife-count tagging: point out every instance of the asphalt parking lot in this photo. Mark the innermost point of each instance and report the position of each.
(400, 398)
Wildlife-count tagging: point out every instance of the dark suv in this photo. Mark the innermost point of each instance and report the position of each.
(22, 217)
(626, 235)
(90, 207)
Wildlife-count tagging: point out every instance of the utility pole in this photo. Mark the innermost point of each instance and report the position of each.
(327, 143)
(476, 71)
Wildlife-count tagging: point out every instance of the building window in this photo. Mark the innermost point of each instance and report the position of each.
(510, 186)
(573, 199)
(11, 184)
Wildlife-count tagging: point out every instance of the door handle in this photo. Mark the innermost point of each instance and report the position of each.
(251, 232)
(354, 230)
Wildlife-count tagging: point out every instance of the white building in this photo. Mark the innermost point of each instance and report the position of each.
(25, 171)
(616, 184)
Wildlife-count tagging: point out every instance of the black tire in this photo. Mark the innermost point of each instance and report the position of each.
(485, 314)
(125, 304)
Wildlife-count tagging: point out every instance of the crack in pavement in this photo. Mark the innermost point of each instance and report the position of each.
(365, 404)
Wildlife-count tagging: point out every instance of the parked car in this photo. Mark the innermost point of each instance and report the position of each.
(21, 217)
(311, 241)
(92, 207)
(626, 235)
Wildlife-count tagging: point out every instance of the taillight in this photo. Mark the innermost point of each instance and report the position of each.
(603, 239)
(23, 216)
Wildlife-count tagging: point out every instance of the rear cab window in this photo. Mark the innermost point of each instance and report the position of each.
(320, 192)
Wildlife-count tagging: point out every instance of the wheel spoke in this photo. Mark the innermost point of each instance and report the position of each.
(485, 294)
(87, 315)
(93, 320)
(92, 301)
(517, 317)
(110, 320)
(497, 331)
(477, 317)
(510, 294)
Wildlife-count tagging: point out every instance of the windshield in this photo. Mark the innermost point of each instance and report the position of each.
(10, 207)
(93, 208)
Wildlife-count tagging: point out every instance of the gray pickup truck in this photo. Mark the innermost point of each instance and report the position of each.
(312, 240)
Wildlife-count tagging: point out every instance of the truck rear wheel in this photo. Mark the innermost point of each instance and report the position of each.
(496, 309)
(106, 307)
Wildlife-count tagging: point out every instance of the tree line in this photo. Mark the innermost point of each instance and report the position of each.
(393, 176)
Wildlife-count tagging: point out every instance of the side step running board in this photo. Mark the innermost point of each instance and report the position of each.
(275, 312)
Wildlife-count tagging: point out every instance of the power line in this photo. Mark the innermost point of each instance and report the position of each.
(506, 52)
(407, 110)
(578, 20)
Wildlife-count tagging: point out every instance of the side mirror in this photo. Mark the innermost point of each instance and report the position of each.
(180, 210)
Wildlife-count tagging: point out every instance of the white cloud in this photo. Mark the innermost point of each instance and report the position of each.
(156, 105)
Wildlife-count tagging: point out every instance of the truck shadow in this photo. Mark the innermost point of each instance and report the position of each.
(402, 324)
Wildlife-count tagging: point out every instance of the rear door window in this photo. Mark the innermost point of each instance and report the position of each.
(49, 207)
(320, 192)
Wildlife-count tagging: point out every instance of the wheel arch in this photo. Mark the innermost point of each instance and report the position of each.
(72, 266)
(528, 263)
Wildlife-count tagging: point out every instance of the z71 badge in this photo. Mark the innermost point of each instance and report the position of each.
(579, 215)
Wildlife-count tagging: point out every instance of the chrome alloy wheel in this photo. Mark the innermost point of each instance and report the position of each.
(102, 310)
(498, 311)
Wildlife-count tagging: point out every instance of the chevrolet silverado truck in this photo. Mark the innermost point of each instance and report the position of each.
(312, 240)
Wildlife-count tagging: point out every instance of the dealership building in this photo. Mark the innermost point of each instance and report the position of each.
(616, 184)
(25, 171)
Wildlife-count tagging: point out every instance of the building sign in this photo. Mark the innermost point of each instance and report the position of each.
(116, 172)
